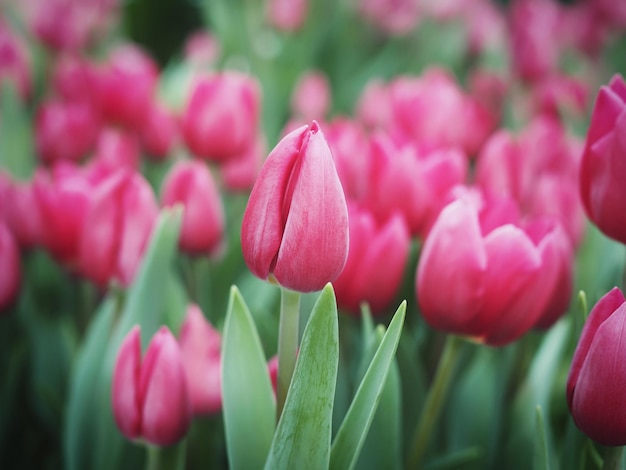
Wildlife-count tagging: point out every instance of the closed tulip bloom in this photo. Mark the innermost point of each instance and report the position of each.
(597, 377)
(117, 227)
(149, 396)
(603, 168)
(376, 262)
(287, 15)
(191, 184)
(221, 118)
(491, 286)
(311, 96)
(200, 346)
(295, 227)
(65, 131)
(10, 272)
(21, 212)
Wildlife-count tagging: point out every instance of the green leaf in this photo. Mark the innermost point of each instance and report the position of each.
(145, 305)
(248, 401)
(542, 456)
(383, 444)
(351, 435)
(303, 435)
(79, 429)
(16, 135)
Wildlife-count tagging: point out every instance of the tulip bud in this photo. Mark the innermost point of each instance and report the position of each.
(65, 131)
(158, 132)
(14, 60)
(117, 226)
(287, 15)
(127, 86)
(21, 211)
(220, 121)
(149, 397)
(9, 267)
(200, 347)
(191, 183)
(603, 172)
(295, 226)
(376, 262)
(597, 377)
(311, 97)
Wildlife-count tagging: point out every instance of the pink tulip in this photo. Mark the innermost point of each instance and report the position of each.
(63, 197)
(159, 132)
(295, 227)
(603, 172)
(14, 60)
(538, 168)
(396, 17)
(21, 213)
(127, 86)
(239, 174)
(75, 79)
(65, 131)
(413, 185)
(149, 397)
(117, 226)
(287, 15)
(311, 96)
(116, 149)
(200, 347)
(10, 272)
(376, 262)
(201, 49)
(491, 286)
(374, 106)
(221, 118)
(597, 377)
(191, 184)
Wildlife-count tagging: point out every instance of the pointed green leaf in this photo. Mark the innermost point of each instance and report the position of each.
(79, 429)
(542, 455)
(248, 401)
(16, 135)
(303, 434)
(382, 446)
(351, 435)
(145, 306)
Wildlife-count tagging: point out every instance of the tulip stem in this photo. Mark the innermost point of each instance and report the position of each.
(434, 400)
(613, 457)
(166, 458)
(288, 332)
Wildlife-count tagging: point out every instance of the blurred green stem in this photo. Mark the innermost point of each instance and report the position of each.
(434, 400)
(287, 344)
(166, 458)
(613, 458)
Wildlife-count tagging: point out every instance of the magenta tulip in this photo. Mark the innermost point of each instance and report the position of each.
(191, 184)
(603, 167)
(376, 262)
(295, 227)
(597, 377)
(149, 397)
(200, 346)
(491, 285)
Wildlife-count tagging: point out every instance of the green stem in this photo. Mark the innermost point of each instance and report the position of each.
(613, 458)
(287, 344)
(166, 458)
(434, 400)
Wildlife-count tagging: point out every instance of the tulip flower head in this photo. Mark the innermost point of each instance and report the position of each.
(295, 227)
(491, 285)
(597, 377)
(10, 277)
(603, 171)
(149, 397)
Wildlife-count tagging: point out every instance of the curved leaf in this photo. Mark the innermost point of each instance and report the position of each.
(353, 431)
(248, 401)
(304, 431)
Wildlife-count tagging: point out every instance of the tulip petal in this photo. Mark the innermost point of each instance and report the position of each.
(163, 390)
(603, 309)
(451, 269)
(262, 226)
(125, 387)
(597, 402)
